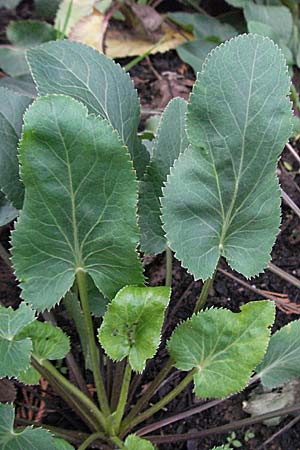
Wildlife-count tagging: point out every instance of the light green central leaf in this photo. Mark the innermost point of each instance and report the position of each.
(222, 197)
(222, 347)
(134, 442)
(132, 324)
(80, 204)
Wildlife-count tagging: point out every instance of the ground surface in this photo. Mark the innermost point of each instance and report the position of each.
(158, 79)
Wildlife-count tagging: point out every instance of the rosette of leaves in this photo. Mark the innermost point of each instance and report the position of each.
(222, 197)
(79, 211)
(21, 336)
(131, 326)
(27, 439)
(222, 348)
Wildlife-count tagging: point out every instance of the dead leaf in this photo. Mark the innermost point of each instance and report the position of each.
(79, 9)
(150, 20)
(262, 401)
(120, 43)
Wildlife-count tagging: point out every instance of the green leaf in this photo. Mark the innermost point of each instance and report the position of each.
(238, 3)
(71, 68)
(171, 140)
(80, 204)
(282, 360)
(29, 376)
(15, 352)
(10, 4)
(132, 324)
(267, 30)
(22, 85)
(46, 9)
(97, 302)
(7, 211)
(23, 35)
(224, 347)
(194, 53)
(12, 107)
(222, 197)
(277, 17)
(28, 439)
(134, 442)
(205, 27)
(222, 447)
(49, 342)
(60, 444)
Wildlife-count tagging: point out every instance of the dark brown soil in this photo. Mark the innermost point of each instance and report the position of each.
(158, 79)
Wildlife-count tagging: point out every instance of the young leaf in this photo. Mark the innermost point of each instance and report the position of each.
(71, 68)
(134, 442)
(132, 324)
(28, 439)
(23, 34)
(222, 197)
(12, 107)
(282, 360)
(170, 142)
(80, 204)
(7, 211)
(48, 342)
(15, 352)
(224, 347)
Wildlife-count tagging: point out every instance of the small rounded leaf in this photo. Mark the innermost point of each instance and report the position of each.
(222, 347)
(132, 324)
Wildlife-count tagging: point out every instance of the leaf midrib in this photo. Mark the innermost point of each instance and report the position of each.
(228, 217)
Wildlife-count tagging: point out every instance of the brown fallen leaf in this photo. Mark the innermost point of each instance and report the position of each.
(150, 20)
(79, 9)
(121, 42)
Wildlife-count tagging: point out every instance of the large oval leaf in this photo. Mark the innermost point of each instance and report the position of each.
(12, 107)
(72, 68)
(223, 347)
(80, 204)
(222, 197)
(170, 141)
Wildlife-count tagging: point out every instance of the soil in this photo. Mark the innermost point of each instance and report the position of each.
(158, 79)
